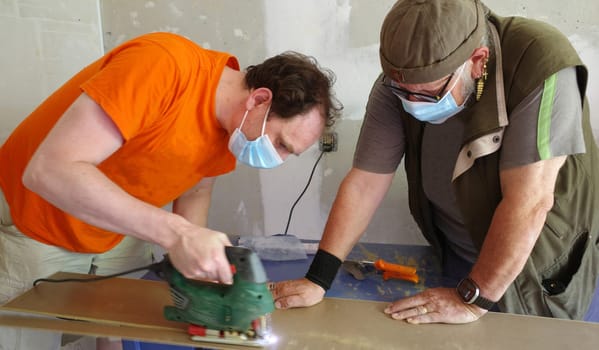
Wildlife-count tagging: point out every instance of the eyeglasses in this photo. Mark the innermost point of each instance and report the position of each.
(405, 94)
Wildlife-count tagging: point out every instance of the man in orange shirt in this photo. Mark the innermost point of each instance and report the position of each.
(84, 177)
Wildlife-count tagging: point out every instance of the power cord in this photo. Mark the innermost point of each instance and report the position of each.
(303, 191)
(155, 267)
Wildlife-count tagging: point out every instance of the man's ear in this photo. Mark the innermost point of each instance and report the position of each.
(258, 97)
(479, 57)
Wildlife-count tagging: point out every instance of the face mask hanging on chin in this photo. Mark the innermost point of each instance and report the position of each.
(259, 153)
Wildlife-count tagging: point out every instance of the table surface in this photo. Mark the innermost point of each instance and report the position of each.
(346, 286)
(372, 287)
(340, 321)
(132, 309)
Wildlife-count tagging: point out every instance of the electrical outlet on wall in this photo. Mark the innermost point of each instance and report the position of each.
(328, 142)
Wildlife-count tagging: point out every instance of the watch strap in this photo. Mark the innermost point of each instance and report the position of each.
(483, 302)
(478, 299)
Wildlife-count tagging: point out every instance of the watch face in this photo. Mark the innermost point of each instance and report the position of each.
(468, 290)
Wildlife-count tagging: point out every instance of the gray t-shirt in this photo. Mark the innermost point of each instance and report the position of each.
(381, 146)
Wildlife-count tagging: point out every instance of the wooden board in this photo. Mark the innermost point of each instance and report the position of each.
(132, 309)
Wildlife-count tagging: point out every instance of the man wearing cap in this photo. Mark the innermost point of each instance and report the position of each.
(490, 117)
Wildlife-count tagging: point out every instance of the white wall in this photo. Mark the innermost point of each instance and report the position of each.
(44, 42)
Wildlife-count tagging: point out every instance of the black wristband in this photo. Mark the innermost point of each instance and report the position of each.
(323, 269)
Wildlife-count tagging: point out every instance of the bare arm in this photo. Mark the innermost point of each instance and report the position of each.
(63, 171)
(516, 225)
(358, 198)
(360, 194)
(194, 204)
(515, 228)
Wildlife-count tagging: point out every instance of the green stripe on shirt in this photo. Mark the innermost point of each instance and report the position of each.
(544, 122)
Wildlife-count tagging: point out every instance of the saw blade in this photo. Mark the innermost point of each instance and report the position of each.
(259, 335)
(265, 329)
(233, 340)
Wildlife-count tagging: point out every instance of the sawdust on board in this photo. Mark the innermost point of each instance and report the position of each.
(334, 342)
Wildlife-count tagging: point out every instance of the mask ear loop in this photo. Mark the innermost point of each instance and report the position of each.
(243, 119)
(264, 122)
(458, 74)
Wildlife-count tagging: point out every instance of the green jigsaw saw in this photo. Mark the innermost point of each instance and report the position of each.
(233, 314)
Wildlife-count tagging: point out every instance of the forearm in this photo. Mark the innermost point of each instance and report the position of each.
(91, 197)
(359, 196)
(194, 204)
(516, 225)
(509, 242)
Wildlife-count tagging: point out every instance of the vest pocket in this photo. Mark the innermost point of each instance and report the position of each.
(568, 284)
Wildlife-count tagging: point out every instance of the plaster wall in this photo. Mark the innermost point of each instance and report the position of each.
(44, 43)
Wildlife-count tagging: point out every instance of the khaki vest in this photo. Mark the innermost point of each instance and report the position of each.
(567, 250)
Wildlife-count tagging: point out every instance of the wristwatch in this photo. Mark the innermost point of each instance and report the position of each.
(470, 293)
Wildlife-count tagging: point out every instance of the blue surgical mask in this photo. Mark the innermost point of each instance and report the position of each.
(434, 112)
(259, 153)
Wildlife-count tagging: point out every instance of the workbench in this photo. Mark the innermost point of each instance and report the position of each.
(372, 287)
(345, 285)
(502, 330)
(350, 317)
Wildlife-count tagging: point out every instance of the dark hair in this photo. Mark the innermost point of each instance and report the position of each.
(297, 83)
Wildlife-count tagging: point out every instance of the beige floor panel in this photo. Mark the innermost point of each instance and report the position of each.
(132, 309)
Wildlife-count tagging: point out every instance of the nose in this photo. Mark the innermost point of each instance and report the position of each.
(413, 98)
